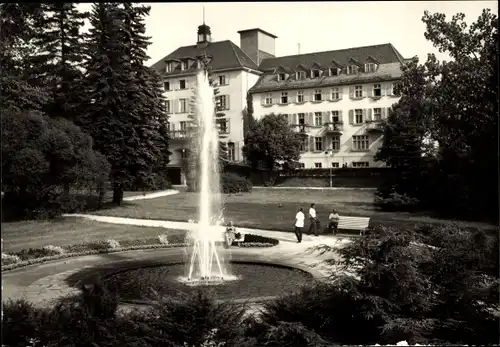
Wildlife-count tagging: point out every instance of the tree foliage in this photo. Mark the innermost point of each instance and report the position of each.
(270, 142)
(455, 104)
(124, 108)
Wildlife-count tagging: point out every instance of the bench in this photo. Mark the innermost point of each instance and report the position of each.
(359, 224)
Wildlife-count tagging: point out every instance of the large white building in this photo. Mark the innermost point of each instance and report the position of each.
(232, 70)
(334, 99)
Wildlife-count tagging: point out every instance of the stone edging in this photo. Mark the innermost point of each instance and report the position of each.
(36, 261)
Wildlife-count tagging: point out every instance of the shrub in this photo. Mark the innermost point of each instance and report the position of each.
(53, 250)
(163, 239)
(8, 259)
(250, 238)
(112, 244)
(21, 323)
(396, 202)
(232, 183)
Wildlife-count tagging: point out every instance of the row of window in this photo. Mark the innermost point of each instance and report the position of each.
(334, 94)
(356, 117)
(355, 164)
(181, 105)
(318, 143)
(181, 84)
(317, 72)
(222, 124)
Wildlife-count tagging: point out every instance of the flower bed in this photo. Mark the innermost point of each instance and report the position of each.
(48, 253)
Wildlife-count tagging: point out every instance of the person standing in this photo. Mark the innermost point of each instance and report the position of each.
(333, 221)
(313, 220)
(299, 224)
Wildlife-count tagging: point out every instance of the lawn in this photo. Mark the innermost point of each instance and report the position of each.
(273, 209)
(68, 231)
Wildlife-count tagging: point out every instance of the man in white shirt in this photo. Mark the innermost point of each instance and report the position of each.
(299, 224)
(333, 219)
(313, 220)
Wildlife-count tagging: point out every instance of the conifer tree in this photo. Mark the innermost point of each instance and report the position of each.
(56, 64)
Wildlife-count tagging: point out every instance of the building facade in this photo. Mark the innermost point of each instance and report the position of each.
(232, 71)
(336, 100)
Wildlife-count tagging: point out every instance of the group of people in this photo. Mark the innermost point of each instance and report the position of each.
(314, 223)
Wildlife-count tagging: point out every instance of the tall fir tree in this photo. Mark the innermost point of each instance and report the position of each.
(56, 64)
(125, 114)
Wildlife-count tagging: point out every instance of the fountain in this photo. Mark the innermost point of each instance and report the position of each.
(205, 263)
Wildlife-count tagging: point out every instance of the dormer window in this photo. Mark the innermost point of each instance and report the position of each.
(301, 75)
(169, 67)
(352, 69)
(184, 65)
(316, 73)
(334, 71)
(281, 77)
(370, 67)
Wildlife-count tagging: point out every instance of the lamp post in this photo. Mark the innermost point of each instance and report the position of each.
(330, 166)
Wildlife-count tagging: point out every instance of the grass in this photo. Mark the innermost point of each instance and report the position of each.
(255, 280)
(275, 209)
(69, 231)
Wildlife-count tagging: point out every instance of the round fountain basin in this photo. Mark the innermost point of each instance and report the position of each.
(248, 280)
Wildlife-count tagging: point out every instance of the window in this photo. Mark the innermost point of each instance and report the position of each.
(184, 153)
(335, 165)
(335, 116)
(360, 164)
(303, 144)
(300, 96)
(302, 165)
(318, 144)
(318, 165)
(184, 65)
(334, 71)
(317, 95)
(167, 106)
(284, 97)
(182, 84)
(360, 142)
(316, 73)
(183, 105)
(269, 99)
(358, 91)
(377, 114)
(222, 80)
(302, 118)
(281, 77)
(336, 143)
(166, 86)
(358, 116)
(223, 129)
(169, 67)
(221, 102)
(377, 90)
(318, 118)
(335, 94)
(183, 125)
(301, 75)
(370, 67)
(231, 152)
(352, 69)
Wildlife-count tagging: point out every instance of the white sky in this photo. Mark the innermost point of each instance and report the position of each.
(317, 26)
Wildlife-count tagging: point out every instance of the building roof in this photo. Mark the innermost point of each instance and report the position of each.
(385, 53)
(225, 55)
(388, 58)
(258, 29)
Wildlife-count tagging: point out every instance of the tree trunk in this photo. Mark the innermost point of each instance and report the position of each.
(117, 194)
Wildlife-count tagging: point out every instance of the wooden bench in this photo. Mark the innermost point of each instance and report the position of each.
(359, 224)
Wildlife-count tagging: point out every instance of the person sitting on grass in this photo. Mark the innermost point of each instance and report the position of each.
(333, 222)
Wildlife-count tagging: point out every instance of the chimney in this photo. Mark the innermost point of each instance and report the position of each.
(257, 44)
